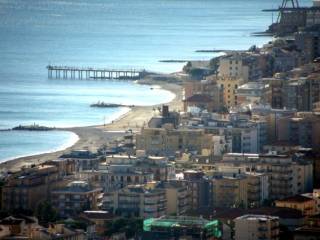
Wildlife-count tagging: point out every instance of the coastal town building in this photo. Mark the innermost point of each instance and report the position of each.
(30, 186)
(208, 89)
(76, 197)
(306, 205)
(121, 170)
(114, 177)
(234, 132)
(230, 86)
(198, 101)
(252, 93)
(230, 192)
(165, 117)
(285, 177)
(19, 226)
(239, 66)
(177, 196)
(145, 201)
(252, 227)
(303, 129)
(167, 141)
(199, 189)
(243, 150)
(308, 42)
(250, 189)
(315, 195)
(150, 200)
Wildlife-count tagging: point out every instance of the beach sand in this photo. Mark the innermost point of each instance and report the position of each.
(92, 137)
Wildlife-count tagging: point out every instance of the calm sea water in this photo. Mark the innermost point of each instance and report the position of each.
(103, 33)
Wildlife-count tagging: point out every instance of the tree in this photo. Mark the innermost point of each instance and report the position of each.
(214, 63)
(46, 213)
(187, 67)
(130, 226)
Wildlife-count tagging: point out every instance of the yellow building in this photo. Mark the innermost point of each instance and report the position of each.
(240, 65)
(306, 205)
(164, 141)
(230, 86)
(177, 197)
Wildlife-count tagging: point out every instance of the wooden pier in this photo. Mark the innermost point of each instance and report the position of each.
(66, 72)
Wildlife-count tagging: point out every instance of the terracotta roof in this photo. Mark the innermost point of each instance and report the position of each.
(199, 98)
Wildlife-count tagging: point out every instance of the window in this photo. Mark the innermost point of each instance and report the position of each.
(76, 196)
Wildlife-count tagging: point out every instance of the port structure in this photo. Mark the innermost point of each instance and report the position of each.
(67, 72)
(294, 3)
(286, 6)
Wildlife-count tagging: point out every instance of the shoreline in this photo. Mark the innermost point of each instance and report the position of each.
(92, 137)
(73, 140)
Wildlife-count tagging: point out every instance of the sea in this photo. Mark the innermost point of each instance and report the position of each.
(111, 34)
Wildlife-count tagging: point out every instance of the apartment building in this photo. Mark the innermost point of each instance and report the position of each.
(209, 88)
(315, 195)
(307, 206)
(282, 169)
(199, 189)
(248, 136)
(309, 42)
(116, 176)
(253, 227)
(145, 201)
(239, 65)
(28, 187)
(235, 132)
(255, 184)
(303, 129)
(301, 93)
(161, 168)
(177, 196)
(230, 86)
(252, 93)
(167, 141)
(121, 170)
(76, 197)
(230, 191)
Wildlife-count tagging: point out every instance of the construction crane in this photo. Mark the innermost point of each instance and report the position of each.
(294, 3)
(287, 5)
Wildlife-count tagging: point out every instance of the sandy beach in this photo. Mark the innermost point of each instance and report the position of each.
(92, 137)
